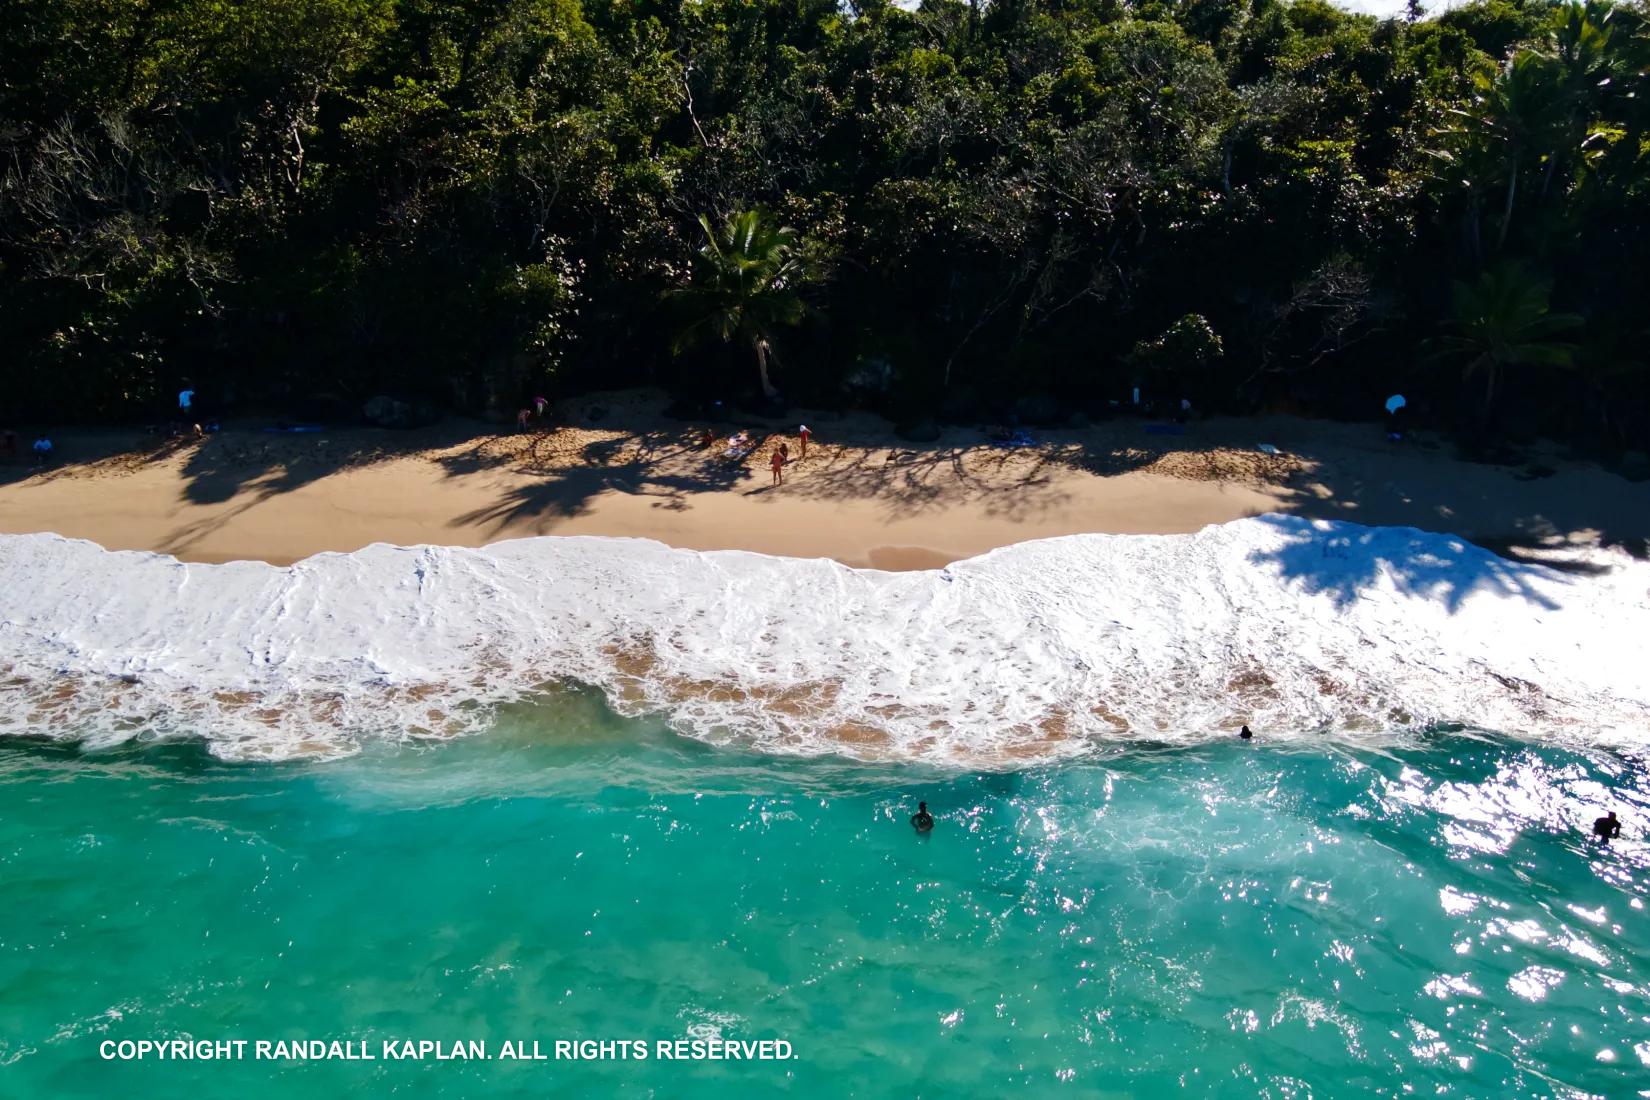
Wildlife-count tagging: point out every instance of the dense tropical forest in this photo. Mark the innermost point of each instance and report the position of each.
(952, 211)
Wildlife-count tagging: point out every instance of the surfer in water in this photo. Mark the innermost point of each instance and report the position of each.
(1606, 828)
(922, 821)
(1245, 734)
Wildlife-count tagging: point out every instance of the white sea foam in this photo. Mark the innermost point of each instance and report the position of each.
(1043, 649)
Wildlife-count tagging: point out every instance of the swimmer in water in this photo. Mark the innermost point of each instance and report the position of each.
(1245, 734)
(922, 821)
(1607, 827)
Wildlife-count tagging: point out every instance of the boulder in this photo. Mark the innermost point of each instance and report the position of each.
(1634, 466)
(872, 375)
(392, 412)
(922, 431)
(1040, 409)
(387, 412)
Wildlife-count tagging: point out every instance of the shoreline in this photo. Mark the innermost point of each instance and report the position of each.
(862, 496)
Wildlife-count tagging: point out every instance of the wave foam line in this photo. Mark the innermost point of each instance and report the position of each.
(1038, 650)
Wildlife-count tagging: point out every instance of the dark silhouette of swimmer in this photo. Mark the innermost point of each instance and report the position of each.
(922, 821)
(1245, 734)
(1607, 827)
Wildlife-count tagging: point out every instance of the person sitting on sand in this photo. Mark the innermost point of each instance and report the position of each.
(707, 437)
(777, 464)
(922, 821)
(1607, 827)
(739, 446)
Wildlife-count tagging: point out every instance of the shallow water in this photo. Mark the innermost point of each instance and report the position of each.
(1232, 919)
(1030, 653)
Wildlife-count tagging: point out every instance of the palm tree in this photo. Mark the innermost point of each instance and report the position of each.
(747, 279)
(1588, 68)
(1581, 31)
(1518, 112)
(1500, 320)
(1523, 110)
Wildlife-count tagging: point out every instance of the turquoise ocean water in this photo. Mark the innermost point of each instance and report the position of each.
(1230, 920)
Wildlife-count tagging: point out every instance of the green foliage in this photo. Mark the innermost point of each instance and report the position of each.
(747, 283)
(458, 198)
(1503, 319)
(1180, 357)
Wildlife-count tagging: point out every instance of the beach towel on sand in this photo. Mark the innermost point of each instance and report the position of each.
(1015, 439)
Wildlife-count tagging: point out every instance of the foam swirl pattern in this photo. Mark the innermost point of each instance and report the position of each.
(1036, 651)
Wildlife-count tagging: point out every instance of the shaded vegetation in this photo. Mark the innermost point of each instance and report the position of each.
(962, 210)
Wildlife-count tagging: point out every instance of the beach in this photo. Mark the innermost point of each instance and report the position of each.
(745, 548)
(460, 786)
(862, 496)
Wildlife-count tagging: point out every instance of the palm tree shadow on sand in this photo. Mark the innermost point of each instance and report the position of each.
(564, 492)
(1346, 561)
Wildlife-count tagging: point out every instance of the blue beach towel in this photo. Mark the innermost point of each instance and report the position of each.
(1018, 439)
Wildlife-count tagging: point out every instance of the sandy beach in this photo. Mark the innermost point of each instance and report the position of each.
(861, 496)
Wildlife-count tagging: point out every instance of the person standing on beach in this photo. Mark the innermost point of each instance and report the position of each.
(186, 399)
(42, 451)
(802, 435)
(522, 417)
(1395, 406)
(777, 464)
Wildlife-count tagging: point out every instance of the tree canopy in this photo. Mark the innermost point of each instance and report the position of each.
(303, 203)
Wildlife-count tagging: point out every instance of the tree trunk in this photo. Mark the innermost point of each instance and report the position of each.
(1474, 229)
(762, 368)
(1506, 212)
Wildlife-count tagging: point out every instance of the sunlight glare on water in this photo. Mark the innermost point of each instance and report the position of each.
(1235, 919)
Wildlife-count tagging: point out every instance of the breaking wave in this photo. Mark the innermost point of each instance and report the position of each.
(1036, 651)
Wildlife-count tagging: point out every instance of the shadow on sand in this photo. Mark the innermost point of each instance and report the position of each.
(570, 473)
(1319, 471)
(1345, 562)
